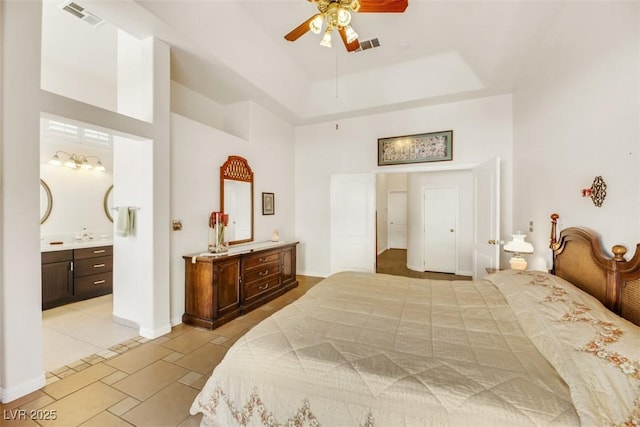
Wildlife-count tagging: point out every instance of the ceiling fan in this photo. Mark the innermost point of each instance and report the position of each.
(336, 14)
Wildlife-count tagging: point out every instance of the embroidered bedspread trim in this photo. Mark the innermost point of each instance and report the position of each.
(605, 384)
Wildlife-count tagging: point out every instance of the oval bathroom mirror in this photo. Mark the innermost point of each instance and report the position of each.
(46, 201)
(108, 203)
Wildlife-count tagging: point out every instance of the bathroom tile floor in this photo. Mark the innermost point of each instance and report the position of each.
(137, 382)
(73, 331)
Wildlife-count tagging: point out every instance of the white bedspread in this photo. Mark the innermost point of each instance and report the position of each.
(377, 350)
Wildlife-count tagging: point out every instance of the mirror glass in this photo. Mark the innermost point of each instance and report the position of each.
(46, 201)
(236, 199)
(108, 203)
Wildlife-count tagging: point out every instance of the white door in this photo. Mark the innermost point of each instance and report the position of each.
(353, 213)
(486, 235)
(440, 223)
(397, 217)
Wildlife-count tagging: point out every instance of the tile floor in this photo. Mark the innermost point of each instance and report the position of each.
(73, 331)
(138, 382)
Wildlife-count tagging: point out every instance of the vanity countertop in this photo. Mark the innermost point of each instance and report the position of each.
(46, 247)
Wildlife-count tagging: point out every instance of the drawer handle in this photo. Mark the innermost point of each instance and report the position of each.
(98, 265)
(101, 251)
(262, 288)
(263, 273)
(262, 259)
(99, 282)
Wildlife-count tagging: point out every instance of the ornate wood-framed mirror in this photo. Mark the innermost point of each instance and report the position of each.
(236, 199)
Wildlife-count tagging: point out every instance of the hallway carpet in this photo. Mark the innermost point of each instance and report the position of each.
(394, 261)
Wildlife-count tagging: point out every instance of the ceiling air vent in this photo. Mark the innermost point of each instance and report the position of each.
(81, 13)
(368, 44)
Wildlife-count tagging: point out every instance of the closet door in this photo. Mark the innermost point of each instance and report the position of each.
(353, 209)
(440, 225)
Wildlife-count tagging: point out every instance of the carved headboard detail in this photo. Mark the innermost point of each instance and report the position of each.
(579, 257)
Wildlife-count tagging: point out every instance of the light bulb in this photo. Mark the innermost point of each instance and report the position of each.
(351, 34)
(55, 160)
(316, 24)
(326, 38)
(344, 17)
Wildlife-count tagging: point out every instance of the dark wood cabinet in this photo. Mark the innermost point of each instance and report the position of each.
(218, 289)
(57, 278)
(76, 274)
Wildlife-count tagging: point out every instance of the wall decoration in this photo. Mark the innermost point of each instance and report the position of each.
(420, 148)
(268, 204)
(598, 191)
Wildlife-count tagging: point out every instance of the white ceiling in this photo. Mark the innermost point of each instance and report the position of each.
(436, 51)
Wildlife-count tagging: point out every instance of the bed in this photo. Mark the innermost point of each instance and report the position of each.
(515, 348)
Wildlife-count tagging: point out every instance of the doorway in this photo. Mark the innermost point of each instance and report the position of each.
(397, 217)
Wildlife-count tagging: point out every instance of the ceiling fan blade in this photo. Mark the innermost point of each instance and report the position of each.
(383, 6)
(300, 30)
(350, 46)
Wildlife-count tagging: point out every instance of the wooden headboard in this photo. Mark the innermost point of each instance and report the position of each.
(579, 258)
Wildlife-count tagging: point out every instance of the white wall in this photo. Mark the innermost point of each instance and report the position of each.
(482, 129)
(576, 117)
(197, 152)
(78, 60)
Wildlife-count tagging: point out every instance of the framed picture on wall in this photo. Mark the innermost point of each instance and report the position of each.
(420, 148)
(268, 204)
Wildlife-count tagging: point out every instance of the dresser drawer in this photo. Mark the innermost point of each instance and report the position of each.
(262, 272)
(94, 284)
(258, 260)
(98, 251)
(89, 266)
(256, 288)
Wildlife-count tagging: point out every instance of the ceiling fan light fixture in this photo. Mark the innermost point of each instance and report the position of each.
(326, 38)
(316, 24)
(351, 34)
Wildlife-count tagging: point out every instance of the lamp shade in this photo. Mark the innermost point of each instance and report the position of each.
(518, 245)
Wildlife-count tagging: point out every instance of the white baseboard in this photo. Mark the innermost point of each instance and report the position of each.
(176, 321)
(124, 322)
(154, 333)
(313, 274)
(10, 394)
(416, 268)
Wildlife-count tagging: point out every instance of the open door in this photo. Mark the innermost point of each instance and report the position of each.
(486, 235)
(353, 227)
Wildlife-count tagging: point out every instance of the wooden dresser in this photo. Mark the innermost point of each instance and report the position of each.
(221, 288)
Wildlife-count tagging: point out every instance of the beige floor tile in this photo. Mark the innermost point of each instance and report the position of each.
(78, 380)
(123, 406)
(173, 356)
(199, 384)
(105, 419)
(203, 359)
(178, 330)
(83, 405)
(138, 358)
(192, 421)
(16, 418)
(233, 328)
(190, 378)
(188, 341)
(60, 349)
(148, 381)
(116, 376)
(38, 403)
(219, 340)
(169, 407)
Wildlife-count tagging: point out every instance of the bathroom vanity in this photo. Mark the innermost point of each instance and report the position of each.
(75, 272)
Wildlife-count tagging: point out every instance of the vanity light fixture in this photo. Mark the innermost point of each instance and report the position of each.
(77, 161)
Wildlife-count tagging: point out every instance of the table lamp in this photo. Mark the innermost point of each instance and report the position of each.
(518, 246)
